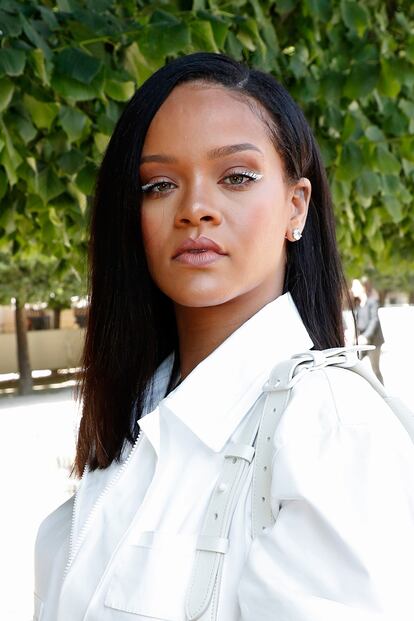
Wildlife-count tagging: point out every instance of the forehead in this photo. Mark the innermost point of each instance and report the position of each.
(196, 114)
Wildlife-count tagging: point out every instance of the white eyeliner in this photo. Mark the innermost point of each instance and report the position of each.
(246, 173)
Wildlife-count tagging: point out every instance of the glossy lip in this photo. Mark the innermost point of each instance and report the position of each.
(201, 243)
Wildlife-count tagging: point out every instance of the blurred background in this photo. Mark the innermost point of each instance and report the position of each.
(66, 70)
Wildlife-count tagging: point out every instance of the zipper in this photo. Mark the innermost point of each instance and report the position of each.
(73, 550)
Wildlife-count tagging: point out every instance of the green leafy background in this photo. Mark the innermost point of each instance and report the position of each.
(67, 69)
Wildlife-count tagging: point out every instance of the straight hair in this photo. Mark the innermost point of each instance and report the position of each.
(131, 324)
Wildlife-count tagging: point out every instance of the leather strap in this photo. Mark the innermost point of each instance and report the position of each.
(203, 591)
(282, 379)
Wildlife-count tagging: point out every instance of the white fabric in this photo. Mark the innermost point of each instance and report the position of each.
(342, 547)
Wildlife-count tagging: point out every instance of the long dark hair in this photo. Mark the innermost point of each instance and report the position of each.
(131, 326)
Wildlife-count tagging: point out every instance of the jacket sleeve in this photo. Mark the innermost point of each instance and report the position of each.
(342, 546)
(373, 319)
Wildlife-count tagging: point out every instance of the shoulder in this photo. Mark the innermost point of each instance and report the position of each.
(52, 539)
(52, 545)
(55, 526)
(58, 521)
(333, 399)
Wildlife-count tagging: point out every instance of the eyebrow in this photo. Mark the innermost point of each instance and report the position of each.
(211, 155)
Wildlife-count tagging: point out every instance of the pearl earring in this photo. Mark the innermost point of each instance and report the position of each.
(296, 234)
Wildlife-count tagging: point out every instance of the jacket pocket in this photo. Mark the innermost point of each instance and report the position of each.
(151, 576)
(38, 607)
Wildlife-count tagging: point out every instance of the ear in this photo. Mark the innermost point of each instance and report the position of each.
(299, 197)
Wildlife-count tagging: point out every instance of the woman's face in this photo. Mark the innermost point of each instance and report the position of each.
(209, 170)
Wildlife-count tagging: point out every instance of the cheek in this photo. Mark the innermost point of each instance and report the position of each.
(262, 228)
(152, 231)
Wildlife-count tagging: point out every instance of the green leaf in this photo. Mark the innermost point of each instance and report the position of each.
(6, 93)
(322, 9)
(331, 84)
(9, 157)
(258, 10)
(340, 191)
(49, 17)
(72, 90)
(10, 25)
(219, 25)
(54, 218)
(120, 91)
(350, 163)
(43, 113)
(361, 81)
(394, 207)
(74, 122)
(164, 18)
(105, 124)
(407, 148)
(71, 162)
(40, 66)
(25, 128)
(391, 184)
(367, 184)
(35, 37)
(246, 40)
(79, 196)
(137, 65)
(285, 6)
(67, 6)
(12, 61)
(407, 107)
(85, 179)
(234, 47)
(374, 133)
(385, 161)
(350, 126)
(3, 183)
(159, 40)
(389, 84)
(203, 37)
(328, 151)
(251, 27)
(75, 64)
(410, 51)
(377, 242)
(101, 142)
(49, 185)
(355, 16)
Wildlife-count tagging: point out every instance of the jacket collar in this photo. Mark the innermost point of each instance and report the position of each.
(213, 399)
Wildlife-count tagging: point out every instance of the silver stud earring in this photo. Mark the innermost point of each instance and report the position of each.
(296, 234)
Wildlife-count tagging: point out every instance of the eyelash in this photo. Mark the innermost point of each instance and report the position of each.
(251, 176)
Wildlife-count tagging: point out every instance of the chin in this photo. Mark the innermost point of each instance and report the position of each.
(196, 298)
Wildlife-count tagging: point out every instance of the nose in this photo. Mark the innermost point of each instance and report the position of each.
(197, 205)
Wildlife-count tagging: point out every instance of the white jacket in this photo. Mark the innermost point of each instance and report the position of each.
(341, 549)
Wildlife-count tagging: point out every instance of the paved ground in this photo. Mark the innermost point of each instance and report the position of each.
(36, 443)
(36, 446)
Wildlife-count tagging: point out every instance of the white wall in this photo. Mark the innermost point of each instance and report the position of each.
(48, 349)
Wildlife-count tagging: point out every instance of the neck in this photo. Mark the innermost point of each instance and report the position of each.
(202, 330)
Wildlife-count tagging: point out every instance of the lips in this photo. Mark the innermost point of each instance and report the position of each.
(197, 246)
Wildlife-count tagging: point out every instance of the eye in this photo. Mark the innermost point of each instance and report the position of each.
(243, 178)
(157, 187)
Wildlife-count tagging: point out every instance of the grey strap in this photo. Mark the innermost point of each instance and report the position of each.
(205, 580)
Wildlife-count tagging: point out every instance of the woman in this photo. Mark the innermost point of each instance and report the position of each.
(200, 284)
